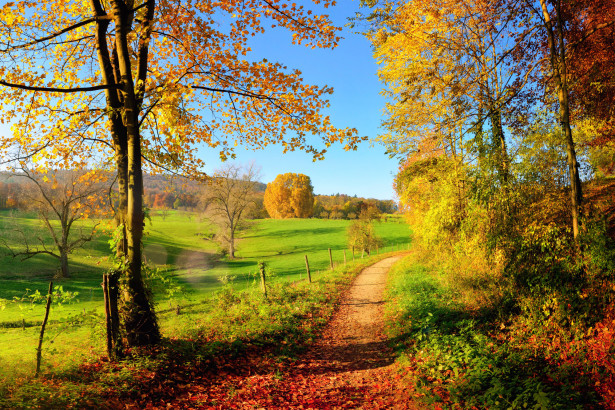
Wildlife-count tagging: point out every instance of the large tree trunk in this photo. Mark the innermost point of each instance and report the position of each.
(140, 325)
(118, 134)
(121, 161)
(139, 318)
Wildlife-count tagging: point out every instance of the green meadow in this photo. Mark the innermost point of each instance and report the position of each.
(187, 269)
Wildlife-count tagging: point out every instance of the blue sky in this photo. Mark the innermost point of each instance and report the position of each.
(356, 102)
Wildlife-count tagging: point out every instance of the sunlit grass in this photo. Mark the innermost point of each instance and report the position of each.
(175, 242)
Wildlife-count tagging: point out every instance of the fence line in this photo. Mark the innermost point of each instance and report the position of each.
(332, 264)
(52, 326)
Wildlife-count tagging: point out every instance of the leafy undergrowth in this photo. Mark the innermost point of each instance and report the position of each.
(211, 362)
(460, 356)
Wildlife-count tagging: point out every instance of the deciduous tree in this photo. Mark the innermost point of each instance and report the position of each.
(290, 195)
(361, 234)
(61, 199)
(558, 37)
(228, 196)
(453, 84)
(151, 80)
(454, 67)
(552, 23)
(590, 37)
(447, 72)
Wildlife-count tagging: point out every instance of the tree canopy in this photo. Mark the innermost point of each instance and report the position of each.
(290, 195)
(467, 77)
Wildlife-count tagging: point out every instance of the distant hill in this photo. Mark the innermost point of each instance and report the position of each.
(173, 192)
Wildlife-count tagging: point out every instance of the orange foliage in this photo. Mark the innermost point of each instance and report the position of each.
(290, 196)
(591, 36)
(195, 80)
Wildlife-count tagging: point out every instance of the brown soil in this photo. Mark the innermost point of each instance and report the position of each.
(353, 344)
(353, 351)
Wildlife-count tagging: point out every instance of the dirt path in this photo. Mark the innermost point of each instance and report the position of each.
(349, 367)
(352, 360)
(353, 344)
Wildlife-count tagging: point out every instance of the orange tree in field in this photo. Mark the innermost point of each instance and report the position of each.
(146, 82)
(290, 196)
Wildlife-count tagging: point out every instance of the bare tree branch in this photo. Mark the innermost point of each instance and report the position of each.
(59, 90)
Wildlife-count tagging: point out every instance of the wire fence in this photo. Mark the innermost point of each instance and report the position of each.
(76, 332)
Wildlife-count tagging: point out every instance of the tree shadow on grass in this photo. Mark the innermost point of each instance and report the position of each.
(288, 233)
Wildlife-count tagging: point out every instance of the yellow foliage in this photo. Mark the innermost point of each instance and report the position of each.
(441, 65)
(290, 195)
(193, 83)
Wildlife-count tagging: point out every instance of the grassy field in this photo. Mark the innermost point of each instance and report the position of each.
(177, 243)
(282, 244)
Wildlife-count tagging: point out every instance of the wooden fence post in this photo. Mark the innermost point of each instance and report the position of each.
(40, 339)
(113, 291)
(353, 253)
(307, 267)
(261, 268)
(344, 256)
(330, 259)
(105, 286)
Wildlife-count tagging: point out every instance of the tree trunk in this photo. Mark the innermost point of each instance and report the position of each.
(121, 160)
(64, 273)
(576, 193)
(231, 245)
(499, 142)
(558, 65)
(139, 318)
